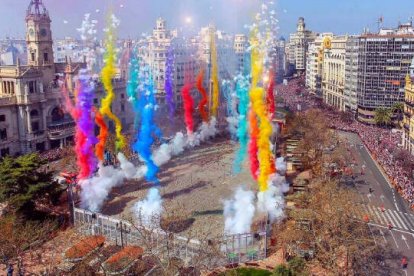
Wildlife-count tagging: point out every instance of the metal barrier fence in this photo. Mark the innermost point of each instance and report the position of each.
(210, 253)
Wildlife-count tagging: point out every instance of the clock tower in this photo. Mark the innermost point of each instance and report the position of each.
(39, 35)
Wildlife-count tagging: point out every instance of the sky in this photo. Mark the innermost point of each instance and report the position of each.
(138, 16)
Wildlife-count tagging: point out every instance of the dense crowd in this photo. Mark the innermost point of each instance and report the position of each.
(52, 155)
(382, 143)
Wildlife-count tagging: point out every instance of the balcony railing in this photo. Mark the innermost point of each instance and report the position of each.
(60, 129)
(7, 101)
(410, 104)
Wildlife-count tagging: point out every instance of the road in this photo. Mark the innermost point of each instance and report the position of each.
(382, 205)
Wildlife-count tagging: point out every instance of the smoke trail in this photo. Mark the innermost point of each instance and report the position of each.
(204, 100)
(132, 89)
(239, 212)
(188, 103)
(231, 100)
(214, 75)
(272, 201)
(265, 128)
(88, 35)
(169, 79)
(85, 136)
(103, 135)
(270, 98)
(96, 189)
(254, 133)
(148, 211)
(242, 87)
(107, 74)
(144, 141)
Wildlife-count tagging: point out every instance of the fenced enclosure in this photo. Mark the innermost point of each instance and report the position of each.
(209, 253)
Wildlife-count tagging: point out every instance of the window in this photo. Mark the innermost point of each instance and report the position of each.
(45, 57)
(4, 152)
(122, 107)
(34, 113)
(35, 126)
(32, 86)
(95, 101)
(3, 134)
(2, 118)
(32, 56)
(122, 96)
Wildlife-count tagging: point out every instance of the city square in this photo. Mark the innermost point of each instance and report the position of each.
(255, 137)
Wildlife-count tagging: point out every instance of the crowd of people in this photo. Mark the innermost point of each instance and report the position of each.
(382, 143)
(52, 155)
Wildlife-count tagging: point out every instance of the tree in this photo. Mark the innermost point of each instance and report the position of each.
(342, 244)
(282, 270)
(23, 184)
(398, 108)
(16, 237)
(383, 116)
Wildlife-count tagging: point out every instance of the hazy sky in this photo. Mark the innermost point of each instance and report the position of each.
(138, 16)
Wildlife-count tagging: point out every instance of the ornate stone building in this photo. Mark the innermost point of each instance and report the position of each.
(32, 116)
(408, 121)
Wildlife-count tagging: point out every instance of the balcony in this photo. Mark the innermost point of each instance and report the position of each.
(31, 98)
(410, 104)
(8, 101)
(35, 135)
(61, 129)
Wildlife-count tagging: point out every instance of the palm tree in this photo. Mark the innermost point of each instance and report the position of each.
(383, 116)
(398, 108)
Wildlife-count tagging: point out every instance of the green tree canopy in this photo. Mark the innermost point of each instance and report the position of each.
(383, 116)
(23, 183)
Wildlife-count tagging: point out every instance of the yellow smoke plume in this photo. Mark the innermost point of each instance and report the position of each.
(257, 98)
(107, 74)
(214, 75)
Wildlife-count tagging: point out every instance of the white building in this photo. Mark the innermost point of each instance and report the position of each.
(298, 45)
(314, 61)
(333, 72)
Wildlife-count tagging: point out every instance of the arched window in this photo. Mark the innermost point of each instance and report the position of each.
(57, 114)
(34, 113)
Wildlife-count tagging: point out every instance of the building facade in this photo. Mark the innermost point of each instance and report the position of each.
(298, 46)
(333, 72)
(383, 62)
(241, 45)
(408, 120)
(314, 62)
(351, 74)
(32, 108)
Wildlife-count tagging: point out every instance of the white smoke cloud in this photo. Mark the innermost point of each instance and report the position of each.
(281, 165)
(233, 122)
(207, 130)
(126, 167)
(272, 201)
(239, 212)
(149, 210)
(96, 189)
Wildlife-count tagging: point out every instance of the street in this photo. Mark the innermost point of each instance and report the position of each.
(390, 219)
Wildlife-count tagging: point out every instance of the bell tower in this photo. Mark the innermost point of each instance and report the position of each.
(38, 35)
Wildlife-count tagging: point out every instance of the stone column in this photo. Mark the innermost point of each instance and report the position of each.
(29, 125)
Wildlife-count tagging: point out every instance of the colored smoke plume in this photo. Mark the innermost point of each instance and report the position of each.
(254, 133)
(169, 81)
(108, 74)
(242, 88)
(188, 103)
(204, 100)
